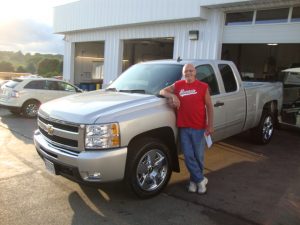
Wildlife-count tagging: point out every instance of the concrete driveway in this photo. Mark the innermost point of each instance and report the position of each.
(248, 184)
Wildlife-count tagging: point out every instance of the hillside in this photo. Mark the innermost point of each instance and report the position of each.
(42, 64)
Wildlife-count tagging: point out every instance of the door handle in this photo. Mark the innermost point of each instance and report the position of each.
(218, 104)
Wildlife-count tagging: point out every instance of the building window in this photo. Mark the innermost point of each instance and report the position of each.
(272, 16)
(296, 14)
(239, 18)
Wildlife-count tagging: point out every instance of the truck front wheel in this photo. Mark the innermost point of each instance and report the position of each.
(264, 131)
(148, 167)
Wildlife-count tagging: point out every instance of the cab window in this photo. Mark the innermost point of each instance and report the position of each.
(205, 73)
(228, 78)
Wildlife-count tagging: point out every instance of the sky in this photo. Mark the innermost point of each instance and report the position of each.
(27, 26)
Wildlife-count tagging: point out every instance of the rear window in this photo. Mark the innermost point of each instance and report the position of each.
(35, 84)
(13, 83)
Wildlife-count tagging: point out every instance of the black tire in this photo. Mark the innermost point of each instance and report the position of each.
(148, 167)
(30, 108)
(263, 133)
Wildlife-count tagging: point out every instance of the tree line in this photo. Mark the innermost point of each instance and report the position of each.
(46, 65)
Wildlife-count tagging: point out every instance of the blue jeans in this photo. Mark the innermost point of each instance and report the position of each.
(193, 146)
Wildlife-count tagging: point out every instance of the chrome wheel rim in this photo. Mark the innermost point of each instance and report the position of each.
(152, 170)
(268, 128)
(31, 110)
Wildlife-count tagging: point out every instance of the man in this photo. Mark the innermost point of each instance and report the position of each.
(194, 119)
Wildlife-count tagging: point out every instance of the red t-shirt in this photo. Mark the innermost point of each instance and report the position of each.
(192, 111)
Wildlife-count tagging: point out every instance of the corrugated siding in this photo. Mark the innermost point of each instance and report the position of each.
(207, 47)
(113, 54)
(68, 68)
(91, 14)
(263, 33)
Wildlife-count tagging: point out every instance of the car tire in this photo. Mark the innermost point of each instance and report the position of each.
(148, 167)
(264, 131)
(30, 108)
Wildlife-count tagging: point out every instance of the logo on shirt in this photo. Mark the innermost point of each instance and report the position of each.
(187, 92)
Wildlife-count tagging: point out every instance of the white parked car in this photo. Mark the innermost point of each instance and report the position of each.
(25, 95)
(291, 96)
(2, 82)
(291, 86)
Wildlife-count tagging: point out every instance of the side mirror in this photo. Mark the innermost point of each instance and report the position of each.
(78, 90)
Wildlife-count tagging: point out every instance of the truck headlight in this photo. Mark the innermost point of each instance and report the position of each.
(102, 136)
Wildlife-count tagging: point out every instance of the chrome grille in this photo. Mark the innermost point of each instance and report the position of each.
(63, 126)
(57, 139)
(62, 134)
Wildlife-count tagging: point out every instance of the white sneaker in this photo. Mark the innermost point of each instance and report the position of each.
(192, 187)
(202, 186)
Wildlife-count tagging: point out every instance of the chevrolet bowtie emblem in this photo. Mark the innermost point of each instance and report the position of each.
(50, 129)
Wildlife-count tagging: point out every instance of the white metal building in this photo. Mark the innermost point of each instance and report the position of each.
(104, 37)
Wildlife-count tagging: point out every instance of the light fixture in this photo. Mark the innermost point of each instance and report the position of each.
(194, 34)
(92, 58)
(272, 44)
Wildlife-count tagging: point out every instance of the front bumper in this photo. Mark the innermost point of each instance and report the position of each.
(109, 165)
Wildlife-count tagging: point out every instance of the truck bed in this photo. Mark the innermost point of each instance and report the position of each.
(257, 94)
(252, 84)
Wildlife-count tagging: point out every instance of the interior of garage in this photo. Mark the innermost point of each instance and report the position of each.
(89, 58)
(262, 61)
(266, 62)
(141, 50)
(88, 66)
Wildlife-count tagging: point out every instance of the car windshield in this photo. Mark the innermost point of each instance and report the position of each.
(147, 78)
(13, 83)
(289, 78)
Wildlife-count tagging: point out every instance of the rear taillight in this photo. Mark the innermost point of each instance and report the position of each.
(15, 94)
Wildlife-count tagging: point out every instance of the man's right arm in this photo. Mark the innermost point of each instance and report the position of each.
(168, 92)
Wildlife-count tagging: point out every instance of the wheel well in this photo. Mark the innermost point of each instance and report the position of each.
(29, 100)
(272, 107)
(166, 135)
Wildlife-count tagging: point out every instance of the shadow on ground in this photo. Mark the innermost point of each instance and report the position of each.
(261, 191)
(23, 127)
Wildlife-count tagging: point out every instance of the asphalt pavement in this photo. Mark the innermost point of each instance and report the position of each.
(248, 185)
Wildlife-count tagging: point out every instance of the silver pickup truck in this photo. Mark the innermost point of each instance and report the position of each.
(128, 132)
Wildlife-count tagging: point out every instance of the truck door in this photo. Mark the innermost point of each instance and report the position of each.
(206, 74)
(233, 99)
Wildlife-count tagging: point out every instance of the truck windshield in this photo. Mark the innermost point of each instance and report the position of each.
(147, 78)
